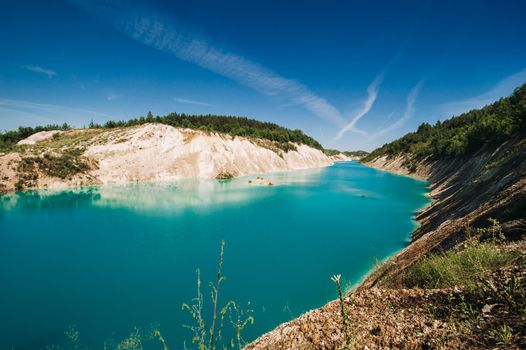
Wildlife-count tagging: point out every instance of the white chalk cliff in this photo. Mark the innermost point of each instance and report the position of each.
(162, 152)
(159, 152)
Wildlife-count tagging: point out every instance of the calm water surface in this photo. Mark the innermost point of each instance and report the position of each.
(109, 259)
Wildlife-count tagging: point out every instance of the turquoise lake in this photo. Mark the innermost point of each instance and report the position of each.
(111, 258)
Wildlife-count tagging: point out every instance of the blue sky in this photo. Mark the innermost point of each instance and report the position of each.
(352, 74)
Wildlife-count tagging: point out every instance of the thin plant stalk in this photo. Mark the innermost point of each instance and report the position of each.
(336, 279)
(158, 335)
(200, 320)
(216, 295)
(196, 311)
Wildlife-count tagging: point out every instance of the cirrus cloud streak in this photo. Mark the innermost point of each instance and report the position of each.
(166, 34)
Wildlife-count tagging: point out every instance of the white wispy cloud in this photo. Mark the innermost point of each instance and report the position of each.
(112, 97)
(372, 94)
(191, 102)
(48, 113)
(408, 113)
(37, 69)
(386, 120)
(163, 33)
(503, 88)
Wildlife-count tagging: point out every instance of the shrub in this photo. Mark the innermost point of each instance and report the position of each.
(287, 146)
(225, 175)
(63, 166)
(19, 185)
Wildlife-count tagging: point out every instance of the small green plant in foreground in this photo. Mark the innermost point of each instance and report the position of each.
(205, 338)
(157, 334)
(456, 268)
(345, 326)
(502, 336)
(212, 338)
(493, 233)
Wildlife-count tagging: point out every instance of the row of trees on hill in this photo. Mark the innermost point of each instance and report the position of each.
(464, 134)
(236, 126)
(10, 138)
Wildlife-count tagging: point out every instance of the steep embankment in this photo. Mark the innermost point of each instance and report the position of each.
(476, 164)
(466, 192)
(149, 152)
(461, 283)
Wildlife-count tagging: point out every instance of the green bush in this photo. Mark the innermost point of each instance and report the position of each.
(287, 146)
(62, 166)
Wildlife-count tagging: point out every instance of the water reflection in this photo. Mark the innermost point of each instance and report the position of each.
(43, 199)
(161, 197)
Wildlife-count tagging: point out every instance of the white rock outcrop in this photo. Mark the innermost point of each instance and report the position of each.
(39, 136)
(158, 152)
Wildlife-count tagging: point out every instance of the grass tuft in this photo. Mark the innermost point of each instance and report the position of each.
(456, 268)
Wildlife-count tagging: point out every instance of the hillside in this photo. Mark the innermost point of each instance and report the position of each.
(461, 283)
(145, 152)
(476, 164)
(461, 136)
(235, 126)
